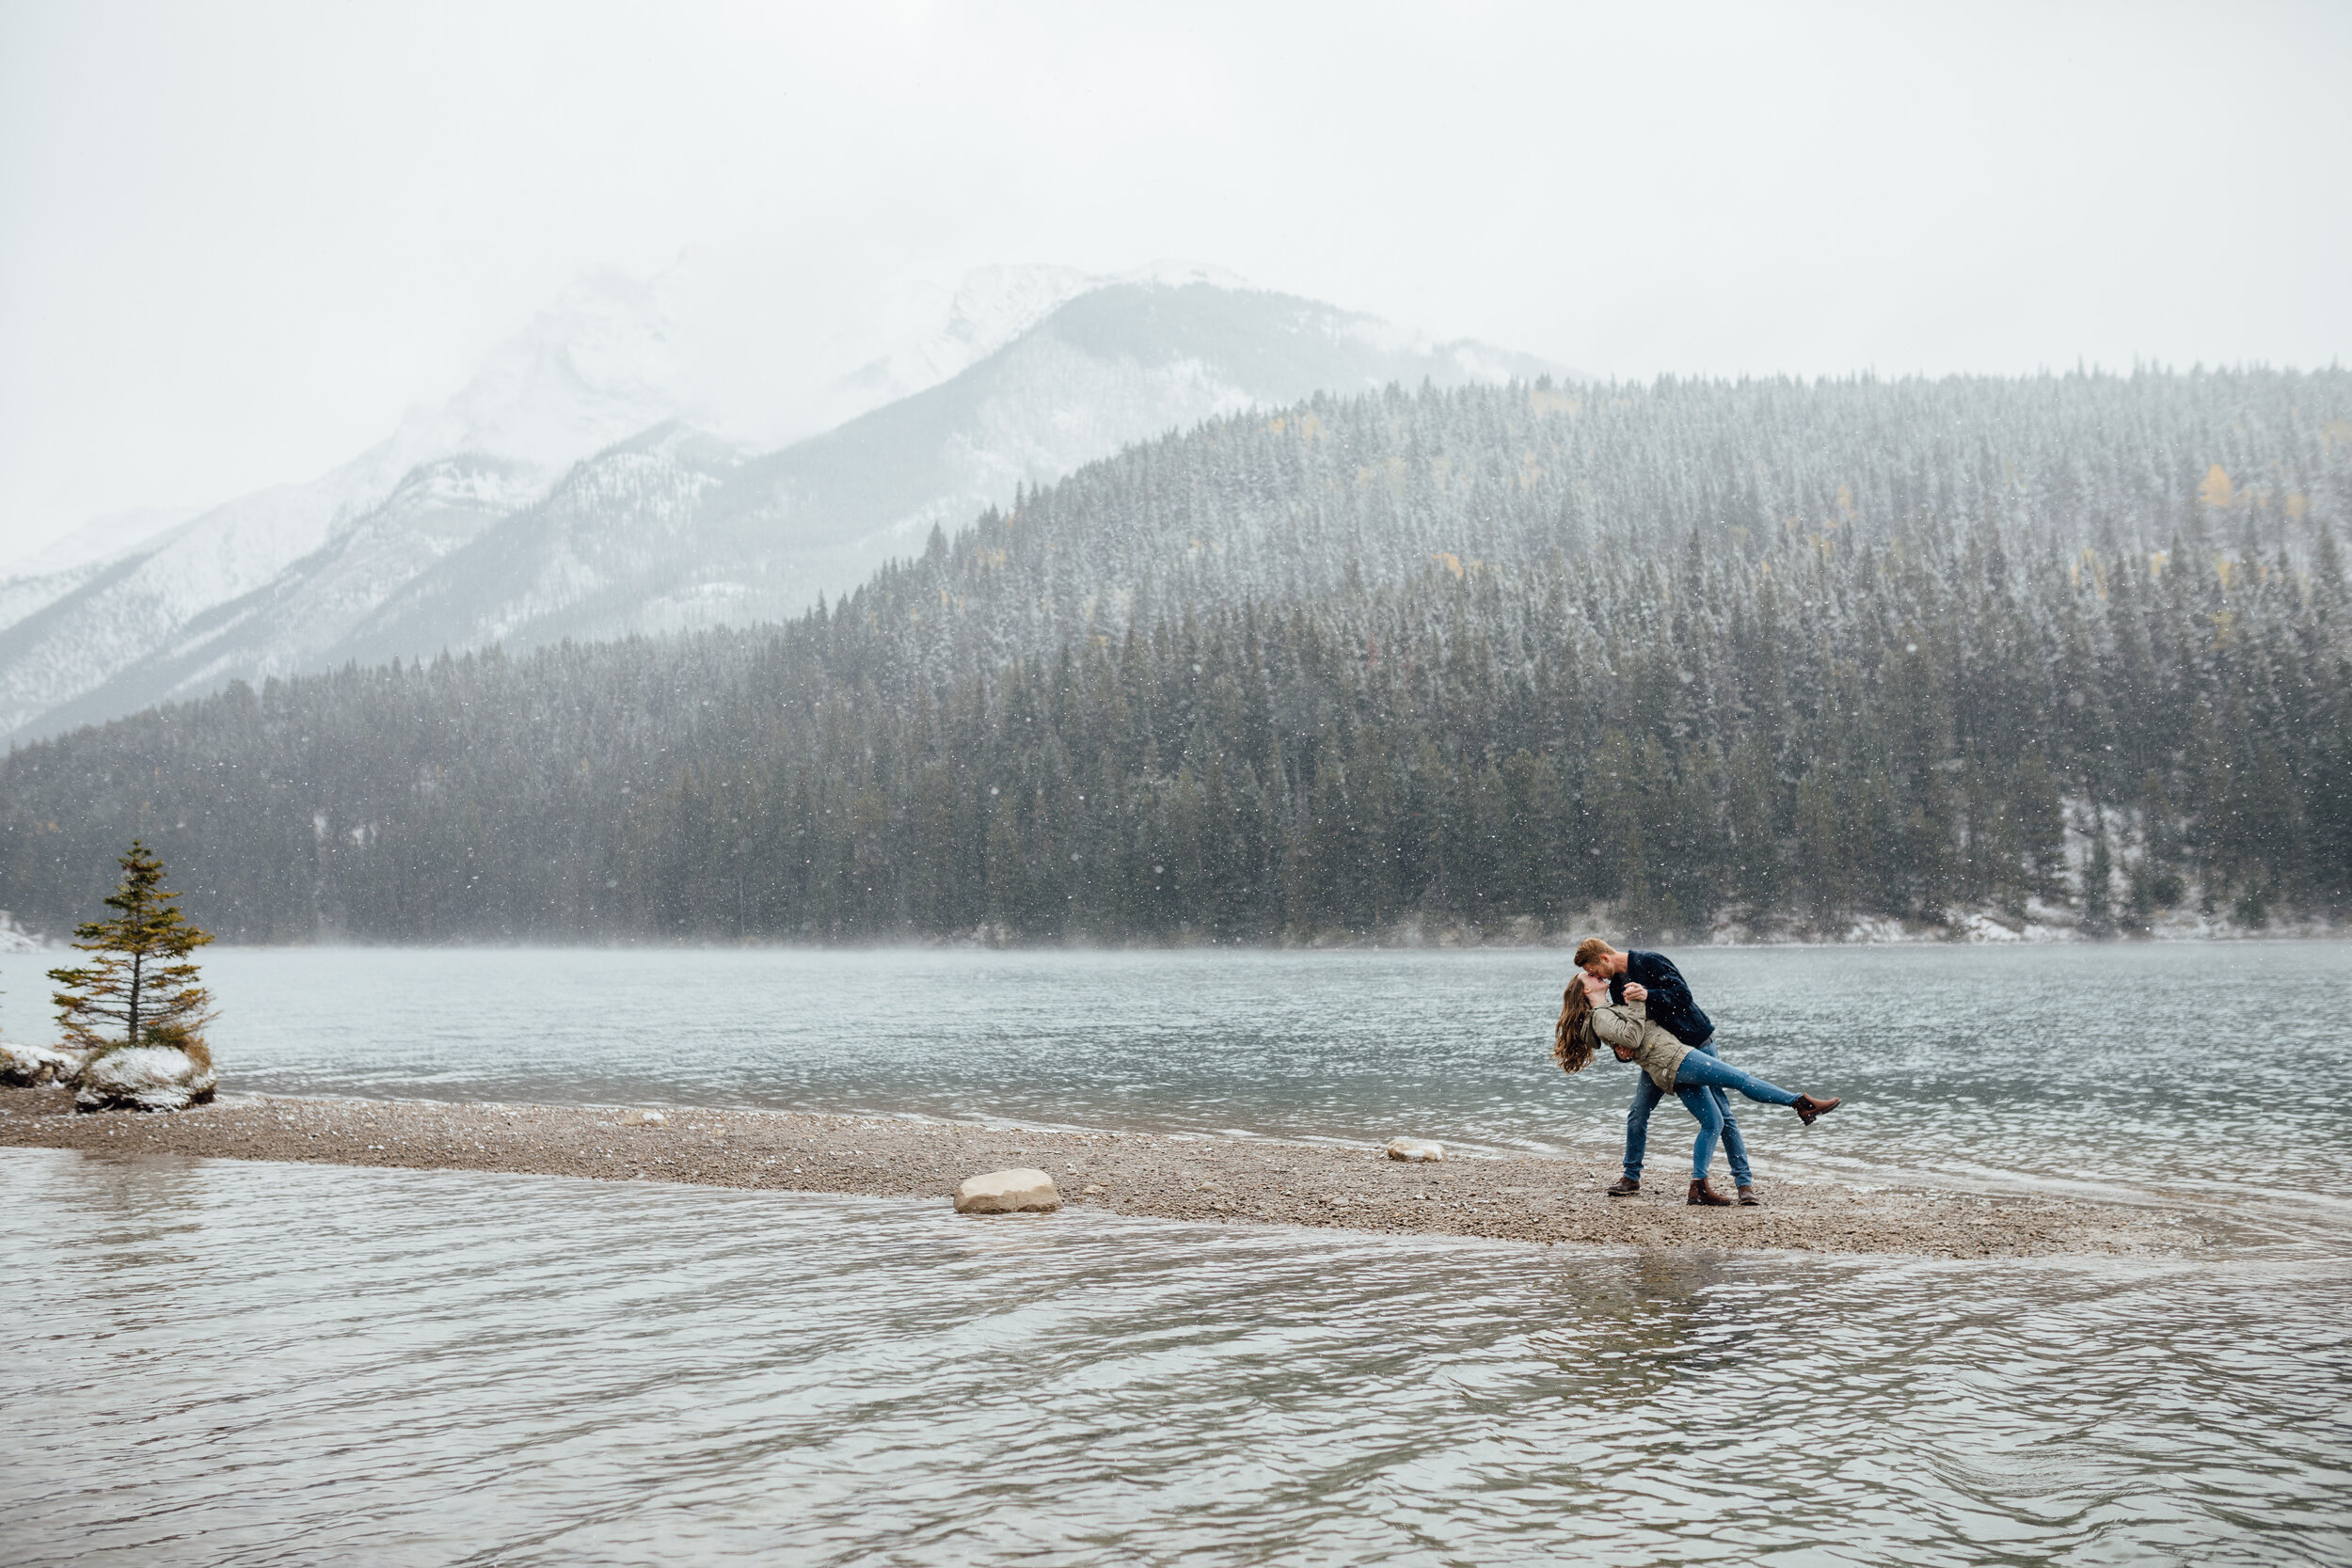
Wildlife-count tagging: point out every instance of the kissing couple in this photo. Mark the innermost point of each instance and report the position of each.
(1637, 1005)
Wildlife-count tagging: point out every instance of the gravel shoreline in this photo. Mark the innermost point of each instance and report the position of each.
(1223, 1181)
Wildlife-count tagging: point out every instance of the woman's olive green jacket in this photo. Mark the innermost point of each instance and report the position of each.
(1626, 1024)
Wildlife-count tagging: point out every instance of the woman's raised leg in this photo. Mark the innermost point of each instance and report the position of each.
(1699, 1069)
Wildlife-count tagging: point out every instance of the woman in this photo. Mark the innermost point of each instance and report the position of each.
(1589, 1020)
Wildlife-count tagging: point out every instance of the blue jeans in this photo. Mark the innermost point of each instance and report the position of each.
(1646, 1098)
(1699, 1083)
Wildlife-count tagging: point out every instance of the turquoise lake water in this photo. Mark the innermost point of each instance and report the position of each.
(2170, 1065)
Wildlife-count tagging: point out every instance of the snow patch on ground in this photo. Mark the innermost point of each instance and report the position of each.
(1978, 925)
(1983, 928)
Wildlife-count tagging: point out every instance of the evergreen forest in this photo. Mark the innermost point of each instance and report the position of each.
(1772, 655)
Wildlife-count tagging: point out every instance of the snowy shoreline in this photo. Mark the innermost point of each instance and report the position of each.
(1975, 930)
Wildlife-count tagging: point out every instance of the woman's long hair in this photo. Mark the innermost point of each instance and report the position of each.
(1571, 1042)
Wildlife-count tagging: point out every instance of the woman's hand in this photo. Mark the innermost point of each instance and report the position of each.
(1636, 991)
(1621, 1053)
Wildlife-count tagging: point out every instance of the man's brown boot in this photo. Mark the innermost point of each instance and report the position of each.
(1808, 1107)
(1748, 1199)
(1626, 1187)
(1703, 1196)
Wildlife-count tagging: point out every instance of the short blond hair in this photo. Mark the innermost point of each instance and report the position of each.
(1590, 949)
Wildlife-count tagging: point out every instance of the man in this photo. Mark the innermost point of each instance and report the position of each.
(1674, 1010)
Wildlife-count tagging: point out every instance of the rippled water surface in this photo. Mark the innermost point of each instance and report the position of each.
(2172, 1065)
(226, 1363)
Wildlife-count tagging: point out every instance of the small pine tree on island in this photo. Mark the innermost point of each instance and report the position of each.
(138, 987)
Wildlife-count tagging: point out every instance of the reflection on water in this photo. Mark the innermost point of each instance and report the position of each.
(234, 1363)
(2176, 1066)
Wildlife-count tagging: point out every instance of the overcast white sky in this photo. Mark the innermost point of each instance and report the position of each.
(240, 238)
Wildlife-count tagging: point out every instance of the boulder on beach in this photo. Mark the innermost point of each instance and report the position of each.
(25, 1066)
(146, 1078)
(1415, 1149)
(1008, 1192)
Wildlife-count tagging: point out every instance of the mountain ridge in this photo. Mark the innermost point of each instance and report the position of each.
(1115, 365)
(741, 536)
(1973, 655)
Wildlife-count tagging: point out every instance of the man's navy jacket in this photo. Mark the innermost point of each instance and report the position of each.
(1670, 1005)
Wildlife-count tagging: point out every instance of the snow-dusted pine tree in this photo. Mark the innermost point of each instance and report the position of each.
(138, 987)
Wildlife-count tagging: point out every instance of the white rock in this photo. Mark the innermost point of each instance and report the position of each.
(644, 1119)
(23, 1066)
(143, 1078)
(1008, 1192)
(1415, 1149)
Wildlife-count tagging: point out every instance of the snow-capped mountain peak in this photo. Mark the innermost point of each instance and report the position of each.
(1171, 272)
(989, 307)
(568, 487)
(596, 365)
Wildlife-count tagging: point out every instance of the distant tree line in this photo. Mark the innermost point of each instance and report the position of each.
(1790, 653)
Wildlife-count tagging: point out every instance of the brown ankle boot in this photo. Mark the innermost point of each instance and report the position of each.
(1703, 1196)
(1626, 1187)
(1748, 1199)
(1808, 1107)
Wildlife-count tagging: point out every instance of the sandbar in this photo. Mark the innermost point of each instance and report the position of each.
(1549, 1198)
